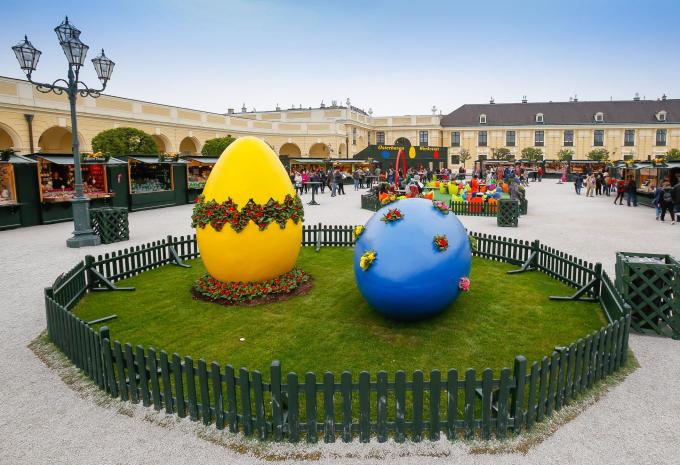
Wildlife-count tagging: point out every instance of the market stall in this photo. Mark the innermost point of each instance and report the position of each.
(156, 182)
(19, 201)
(583, 167)
(309, 164)
(349, 166)
(198, 170)
(553, 168)
(646, 180)
(56, 179)
(385, 156)
(649, 175)
(495, 166)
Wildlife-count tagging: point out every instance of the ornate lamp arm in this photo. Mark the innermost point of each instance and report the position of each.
(87, 92)
(47, 88)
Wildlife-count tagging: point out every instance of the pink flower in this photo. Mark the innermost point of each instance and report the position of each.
(464, 284)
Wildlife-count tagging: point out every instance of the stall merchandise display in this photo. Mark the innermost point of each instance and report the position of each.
(576, 167)
(7, 185)
(553, 167)
(57, 181)
(198, 175)
(150, 177)
(648, 180)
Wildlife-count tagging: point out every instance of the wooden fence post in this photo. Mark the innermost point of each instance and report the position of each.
(89, 260)
(517, 401)
(277, 410)
(318, 238)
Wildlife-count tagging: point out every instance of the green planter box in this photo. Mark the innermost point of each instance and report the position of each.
(508, 213)
(650, 283)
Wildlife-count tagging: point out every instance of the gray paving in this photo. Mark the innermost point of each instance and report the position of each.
(42, 421)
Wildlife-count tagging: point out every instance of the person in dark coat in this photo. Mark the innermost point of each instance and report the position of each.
(666, 202)
(675, 195)
(631, 192)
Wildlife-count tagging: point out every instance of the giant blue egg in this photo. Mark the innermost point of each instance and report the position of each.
(410, 279)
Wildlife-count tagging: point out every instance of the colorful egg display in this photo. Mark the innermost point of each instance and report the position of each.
(411, 278)
(238, 247)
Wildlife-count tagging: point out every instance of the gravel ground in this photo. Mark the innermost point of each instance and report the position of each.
(44, 421)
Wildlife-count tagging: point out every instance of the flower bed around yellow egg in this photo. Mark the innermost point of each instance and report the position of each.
(293, 283)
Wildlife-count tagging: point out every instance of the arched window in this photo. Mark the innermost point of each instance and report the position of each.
(661, 116)
(599, 117)
(482, 119)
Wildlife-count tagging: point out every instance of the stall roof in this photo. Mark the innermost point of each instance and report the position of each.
(309, 160)
(150, 159)
(348, 160)
(206, 160)
(16, 159)
(66, 159)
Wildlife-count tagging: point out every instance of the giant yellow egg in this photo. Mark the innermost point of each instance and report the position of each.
(248, 169)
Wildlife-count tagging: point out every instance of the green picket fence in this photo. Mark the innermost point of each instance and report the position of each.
(473, 208)
(292, 407)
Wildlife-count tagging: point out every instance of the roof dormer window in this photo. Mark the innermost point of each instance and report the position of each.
(599, 117)
(661, 116)
(539, 118)
(482, 119)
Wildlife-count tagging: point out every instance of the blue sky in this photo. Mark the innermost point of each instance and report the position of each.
(398, 57)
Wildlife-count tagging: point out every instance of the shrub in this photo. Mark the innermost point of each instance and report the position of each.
(673, 155)
(215, 147)
(532, 154)
(598, 155)
(124, 141)
(565, 155)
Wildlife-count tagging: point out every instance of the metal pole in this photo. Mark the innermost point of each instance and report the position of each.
(83, 236)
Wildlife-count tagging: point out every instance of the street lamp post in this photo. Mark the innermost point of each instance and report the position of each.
(75, 51)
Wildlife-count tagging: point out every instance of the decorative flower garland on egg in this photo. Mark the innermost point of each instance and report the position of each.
(218, 215)
(441, 206)
(440, 242)
(392, 215)
(367, 259)
(358, 231)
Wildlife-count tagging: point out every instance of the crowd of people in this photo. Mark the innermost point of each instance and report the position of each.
(335, 179)
(666, 198)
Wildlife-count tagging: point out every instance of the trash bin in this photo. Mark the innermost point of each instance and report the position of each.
(650, 283)
(110, 224)
(508, 213)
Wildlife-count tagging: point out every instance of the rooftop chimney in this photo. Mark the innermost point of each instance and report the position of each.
(278, 108)
(637, 97)
(492, 101)
(230, 111)
(575, 97)
(663, 97)
(323, 105)
(243, 108)
(524, 99)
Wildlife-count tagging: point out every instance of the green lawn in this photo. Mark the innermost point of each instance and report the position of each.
(333, 329)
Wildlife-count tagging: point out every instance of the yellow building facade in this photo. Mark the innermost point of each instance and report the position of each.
(327, 132)
(635, 129)
(622, 128)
